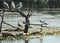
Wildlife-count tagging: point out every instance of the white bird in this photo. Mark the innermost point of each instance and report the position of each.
(20, 6)
(5, 5)
(12, 4)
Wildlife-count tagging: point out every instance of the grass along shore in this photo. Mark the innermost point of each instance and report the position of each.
(45, 32)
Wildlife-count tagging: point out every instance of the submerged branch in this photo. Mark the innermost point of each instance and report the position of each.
(10, 25)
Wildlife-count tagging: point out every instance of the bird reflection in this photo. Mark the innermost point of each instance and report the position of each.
(26, 41)
(41, 40)
(0, 42)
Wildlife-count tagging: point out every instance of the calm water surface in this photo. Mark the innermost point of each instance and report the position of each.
(52, 20)
(46, 39)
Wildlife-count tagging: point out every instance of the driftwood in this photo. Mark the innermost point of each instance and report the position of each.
(22, 14)
(7, 34)
(27, 21)
(34, 33)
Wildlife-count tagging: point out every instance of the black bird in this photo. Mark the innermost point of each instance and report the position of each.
(43, 22)
(19, 25)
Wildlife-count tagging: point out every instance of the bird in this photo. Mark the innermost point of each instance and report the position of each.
(43, 22)
(5, 5)
(12, 4)
(19, 25)
(20, 6)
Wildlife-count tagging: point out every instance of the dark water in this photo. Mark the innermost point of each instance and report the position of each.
(46, 39)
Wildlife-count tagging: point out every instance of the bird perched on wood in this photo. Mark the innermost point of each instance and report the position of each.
(20, 6)
(12, 4)
(5, 5)
(43, 22)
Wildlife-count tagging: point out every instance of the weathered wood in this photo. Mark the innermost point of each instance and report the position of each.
(36, 33)
(23, 15)
(7, 34)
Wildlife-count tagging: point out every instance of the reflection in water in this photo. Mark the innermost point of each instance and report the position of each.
(53, 21)
(0, 42)
(51, 39)
(47, 39)
(41, 40)
(13, 41)
(34, 41)
(26, 41)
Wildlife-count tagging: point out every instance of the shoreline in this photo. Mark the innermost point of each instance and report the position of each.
(45, 32)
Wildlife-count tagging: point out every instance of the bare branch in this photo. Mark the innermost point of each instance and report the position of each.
(10, 25)
(22, 14)
(1, 15)
(15, 10)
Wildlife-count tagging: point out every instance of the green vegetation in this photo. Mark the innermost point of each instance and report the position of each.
(38, 3)
(24, 37)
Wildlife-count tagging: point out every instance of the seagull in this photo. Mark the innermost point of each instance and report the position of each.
(5, 5)
(12, 4)
(20, 6)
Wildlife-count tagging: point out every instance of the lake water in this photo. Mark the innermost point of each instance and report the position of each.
(46, 39)
(52, 20)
